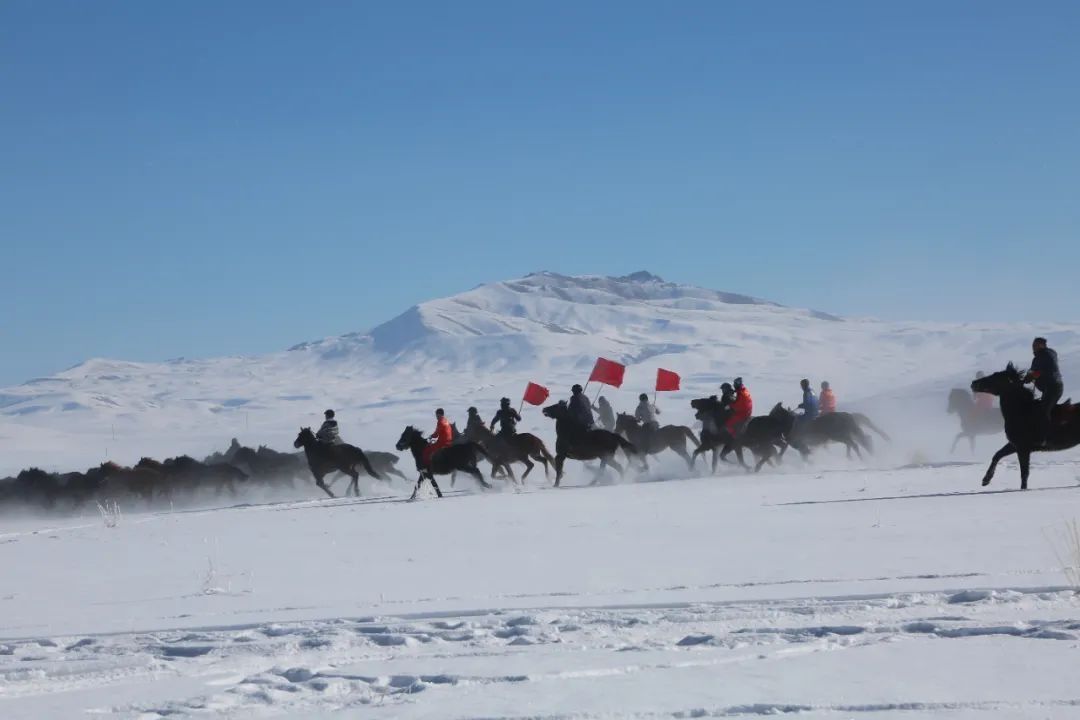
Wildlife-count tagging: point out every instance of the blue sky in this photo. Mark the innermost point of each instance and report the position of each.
(206, 178)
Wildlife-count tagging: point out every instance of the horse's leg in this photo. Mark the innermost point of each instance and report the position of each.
(355, 484)
(959, 435)
(1024, 456)
(419, 482)
(510, 472)
(320, 483)
(435, 485)
(971, 439)
(681, 451)
(528, 468)
(559, 460)
(475, 472)
(1004, 452)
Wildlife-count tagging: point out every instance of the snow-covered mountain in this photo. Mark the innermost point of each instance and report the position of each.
(472, 348)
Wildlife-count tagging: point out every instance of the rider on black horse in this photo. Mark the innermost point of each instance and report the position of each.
(1046, 374)
(581, 408)
(507, 417)
(328, 431)
(474, 423)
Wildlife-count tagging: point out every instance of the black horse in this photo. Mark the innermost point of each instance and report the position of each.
(460, 457)
(840, 427)
(651, 442)
(714, 435)
(578, 443)
(1021, 412)
(768, 437)
(324, 458)
(973, 420)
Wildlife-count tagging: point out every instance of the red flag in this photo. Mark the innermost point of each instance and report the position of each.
(535, 394)
(666, 380)
(607, 372)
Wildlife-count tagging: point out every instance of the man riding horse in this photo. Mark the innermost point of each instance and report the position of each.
(1046, 374)
(507, 418)
(742, 409)
(809, 404)
(581, 408)
(328, 431)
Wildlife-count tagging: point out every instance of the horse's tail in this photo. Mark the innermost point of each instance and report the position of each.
(690, 434)
(542, 451)
(861, 419)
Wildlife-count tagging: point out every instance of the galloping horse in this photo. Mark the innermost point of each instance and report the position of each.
(840, 427)
(651, 442)
(324, 458)
(517, 448)
(577, 443)
(460, 457)
(973, 420)
(1020, 411)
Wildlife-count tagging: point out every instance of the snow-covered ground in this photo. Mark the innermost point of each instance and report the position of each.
(836, 593)
(895, 587)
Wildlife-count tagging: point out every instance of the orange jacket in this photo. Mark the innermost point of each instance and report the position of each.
(741, 410)
(444, 434)
(827, 401)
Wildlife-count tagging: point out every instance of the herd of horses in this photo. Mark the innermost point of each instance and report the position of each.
(767, 437)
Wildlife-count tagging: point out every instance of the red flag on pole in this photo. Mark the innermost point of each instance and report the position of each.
(535, 394)
(608, 372)
(666, 380)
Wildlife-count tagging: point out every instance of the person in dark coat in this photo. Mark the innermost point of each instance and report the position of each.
(328, 431)
(507, 417)
(581, 408)
(474, 423)
(1046, 374)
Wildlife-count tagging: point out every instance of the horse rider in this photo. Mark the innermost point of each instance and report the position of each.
(581, 408)
(809, 404)
(474, 423)
(983, 401)
(742, 409)
(646, 413)
(443, 436)
(1046, 374)
(827, 399)
(507, 417)
(328, 431)
(606, 412)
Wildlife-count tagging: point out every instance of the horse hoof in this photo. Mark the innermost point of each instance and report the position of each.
(986, 481)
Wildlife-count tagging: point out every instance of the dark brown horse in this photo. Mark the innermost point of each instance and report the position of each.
(460, 457)
(324, 458)
(505, 450)
(973, 419)
(654, 441)
(1021, 413)
(578, 443)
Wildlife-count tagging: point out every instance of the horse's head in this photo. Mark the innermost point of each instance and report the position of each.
(1000, 383)
(304, 438)
(408, 437)
(556, 411)
(625, 422)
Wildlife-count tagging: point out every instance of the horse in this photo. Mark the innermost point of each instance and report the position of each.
(714, 434)
(504, 450)
(654, 441)
(841, 427)
(385, 463)
(973, 420)
(264, 463)
(765, 434)
(1021, 414)
(324, 458)
(578, 443)
(445, 461)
